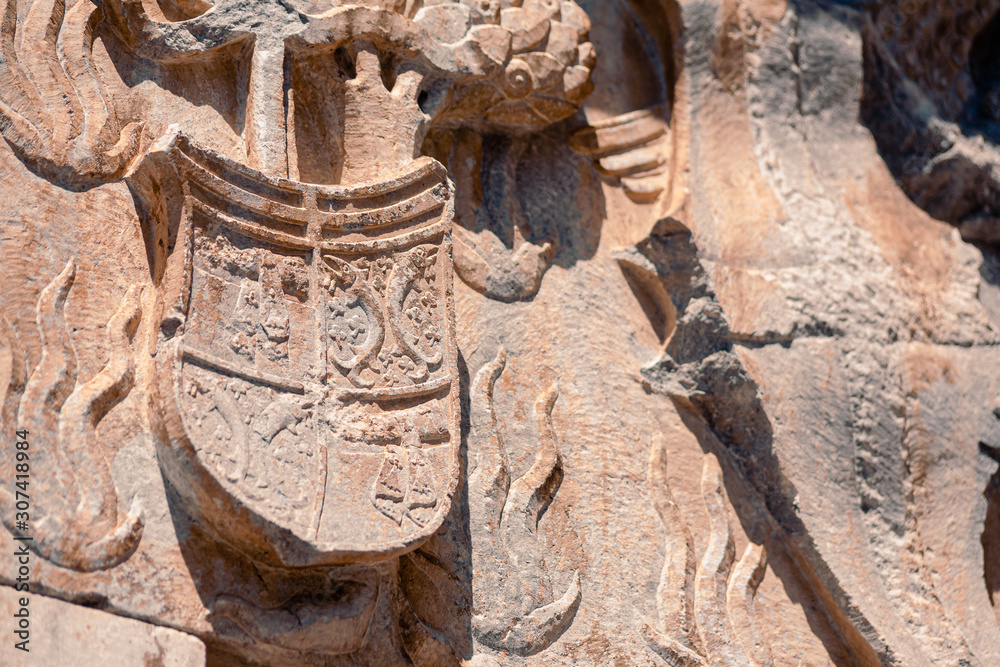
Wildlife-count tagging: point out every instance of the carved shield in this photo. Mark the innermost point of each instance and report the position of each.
(307, 360)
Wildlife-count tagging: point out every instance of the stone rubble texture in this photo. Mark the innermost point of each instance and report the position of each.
(502, 332)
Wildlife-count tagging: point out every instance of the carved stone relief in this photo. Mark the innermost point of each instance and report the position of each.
(512, 606)
(501, 332)
(65, 413)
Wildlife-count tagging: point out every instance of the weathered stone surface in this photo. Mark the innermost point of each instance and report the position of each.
(489, 332)
(68, 634)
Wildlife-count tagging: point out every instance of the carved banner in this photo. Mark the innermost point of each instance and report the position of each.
(307, 355)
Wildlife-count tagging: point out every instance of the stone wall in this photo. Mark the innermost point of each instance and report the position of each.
(500, 332)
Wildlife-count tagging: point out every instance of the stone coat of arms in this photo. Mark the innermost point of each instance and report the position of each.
(307, 384)
(308, 376)
(500, 332)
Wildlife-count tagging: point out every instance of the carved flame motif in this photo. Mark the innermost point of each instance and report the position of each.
(76, 522)
(54, 110)
(702, 619)
(509, 612)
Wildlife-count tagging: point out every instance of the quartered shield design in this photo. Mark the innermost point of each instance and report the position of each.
(307, 360)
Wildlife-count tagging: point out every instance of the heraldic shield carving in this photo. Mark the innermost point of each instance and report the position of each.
(307, 366)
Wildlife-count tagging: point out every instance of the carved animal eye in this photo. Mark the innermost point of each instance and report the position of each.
(519, 81)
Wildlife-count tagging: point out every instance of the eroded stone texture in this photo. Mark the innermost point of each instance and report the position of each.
(630, 332)
(68, 634)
